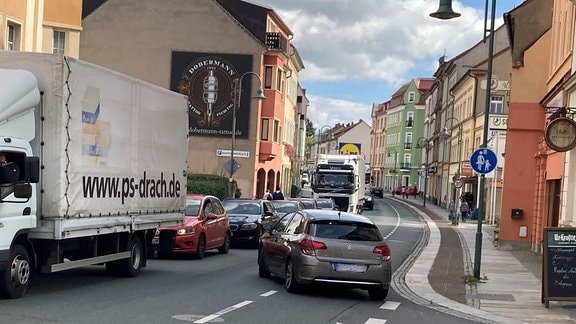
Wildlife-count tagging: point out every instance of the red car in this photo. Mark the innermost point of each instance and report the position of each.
(205, 227)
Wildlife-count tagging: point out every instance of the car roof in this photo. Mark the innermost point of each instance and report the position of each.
(198, 196)
(326, 214)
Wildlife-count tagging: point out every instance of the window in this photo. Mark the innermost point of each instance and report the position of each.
(282, 224)
(13, 37)
(265, 129)
(276, 131)
(410, 119)
(296, 225)
(279, 79)
(497, 105)
(59, 42)
(411, 96)
(268, 77)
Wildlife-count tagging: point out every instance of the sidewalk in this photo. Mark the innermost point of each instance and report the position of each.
(509, 290)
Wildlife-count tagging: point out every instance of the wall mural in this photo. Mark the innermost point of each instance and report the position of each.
(207, 79)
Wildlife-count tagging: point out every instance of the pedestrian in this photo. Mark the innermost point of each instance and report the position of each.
(415, 192)
(404, 192)
(278, 195)
(268, 194)
(464, 211)
(452, 211)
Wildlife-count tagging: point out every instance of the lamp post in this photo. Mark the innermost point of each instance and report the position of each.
(320, 131)
(425, 144)
(447, 134)
(236, 104)
(447, 13)
(394, 183)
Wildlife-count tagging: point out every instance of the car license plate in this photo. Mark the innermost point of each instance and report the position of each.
(155, 241)
(349, 267)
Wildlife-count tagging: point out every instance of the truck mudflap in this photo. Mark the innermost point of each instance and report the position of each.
(4, 256)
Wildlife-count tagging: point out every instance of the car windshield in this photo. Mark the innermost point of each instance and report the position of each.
(309, 204)
(352, 231)
(324, 203)
(285, 206)
(367, 193)
(192, 207)
(242, 207)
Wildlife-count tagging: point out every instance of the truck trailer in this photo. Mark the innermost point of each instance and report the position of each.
(91, 163)
(342, 178)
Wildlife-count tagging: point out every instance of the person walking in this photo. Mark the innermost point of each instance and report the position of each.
(278, 195)
(452, 212)
(268, 194)
(464, 211)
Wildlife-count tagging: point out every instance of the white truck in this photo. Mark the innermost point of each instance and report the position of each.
(92, 162)
(342, 178)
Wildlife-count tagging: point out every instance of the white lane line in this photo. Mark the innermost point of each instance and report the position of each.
(397, 223)
(375, 321)
(390, 305)
(269, 293)
(224, 311)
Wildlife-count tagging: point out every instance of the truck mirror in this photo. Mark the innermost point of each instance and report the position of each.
(32, 169)
(22, 190)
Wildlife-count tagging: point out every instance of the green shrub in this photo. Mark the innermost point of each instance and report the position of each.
(295, 191)
(210, 184)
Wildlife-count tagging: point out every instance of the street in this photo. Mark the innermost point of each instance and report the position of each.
(219, 289)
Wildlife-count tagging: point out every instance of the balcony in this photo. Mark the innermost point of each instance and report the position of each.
(267, 151)
(406, 166)
(276, 42)
(408, 145)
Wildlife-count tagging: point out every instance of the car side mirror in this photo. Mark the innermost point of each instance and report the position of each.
(211, 216)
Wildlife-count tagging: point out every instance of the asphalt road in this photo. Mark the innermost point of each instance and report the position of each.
(219, 289)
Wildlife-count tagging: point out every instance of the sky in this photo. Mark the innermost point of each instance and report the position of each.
(357, 53)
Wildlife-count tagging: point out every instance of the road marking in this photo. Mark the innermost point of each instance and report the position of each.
(269, 293)
(375, 321)
(390, 305)
(397, 223)
(224, 311)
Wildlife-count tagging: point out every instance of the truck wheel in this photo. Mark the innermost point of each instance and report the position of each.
(128, 267)
(15, 279)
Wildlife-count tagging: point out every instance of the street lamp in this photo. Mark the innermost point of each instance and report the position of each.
(394, 183)
(425, 144)
(238, 94)
(446, 134)
(320, 131)
(444, 13)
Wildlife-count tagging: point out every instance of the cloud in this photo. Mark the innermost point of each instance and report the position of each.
(372, 44)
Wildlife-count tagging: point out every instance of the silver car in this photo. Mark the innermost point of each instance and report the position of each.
(314, 246)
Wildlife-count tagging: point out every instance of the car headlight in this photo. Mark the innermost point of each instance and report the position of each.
(186, 230)
(249, 226)
(368, 198)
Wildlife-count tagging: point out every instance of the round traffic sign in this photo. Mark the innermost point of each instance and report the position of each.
(458, 183)
(483, 160)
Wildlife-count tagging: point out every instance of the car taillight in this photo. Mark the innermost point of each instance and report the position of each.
(309, 247)
(384, 250)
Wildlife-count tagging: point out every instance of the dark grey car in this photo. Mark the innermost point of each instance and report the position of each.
(248, 218)
(313, 246)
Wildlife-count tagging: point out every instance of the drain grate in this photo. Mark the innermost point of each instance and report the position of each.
(502, 297)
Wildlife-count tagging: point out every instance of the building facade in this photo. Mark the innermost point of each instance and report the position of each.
(237, 45)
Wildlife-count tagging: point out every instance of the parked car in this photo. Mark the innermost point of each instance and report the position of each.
(326, 203)
(309, 203)
(248, 218)
(205, 227)
(284, 206)
(377, 192)
(329, 247)
(368, 200)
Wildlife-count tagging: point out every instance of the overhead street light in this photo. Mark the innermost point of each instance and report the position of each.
(444, 12)
(320, 132)
(237, 96)
(425, 144)
(447, 134)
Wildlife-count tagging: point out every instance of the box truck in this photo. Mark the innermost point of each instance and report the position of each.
(91, 163)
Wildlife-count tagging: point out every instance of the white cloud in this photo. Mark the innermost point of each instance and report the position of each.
(329, 111)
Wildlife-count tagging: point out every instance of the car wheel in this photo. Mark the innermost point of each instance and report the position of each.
(226, 245)
(15, 278)
(378, 293)
(290, 278)
(263, 272)
(201, 248)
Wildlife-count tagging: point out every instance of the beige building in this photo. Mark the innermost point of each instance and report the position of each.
(46, 26)
(179, 44)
